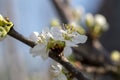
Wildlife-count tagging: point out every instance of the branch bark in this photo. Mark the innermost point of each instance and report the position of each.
(21, 38)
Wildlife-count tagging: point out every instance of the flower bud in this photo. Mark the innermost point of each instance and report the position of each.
(89, 20)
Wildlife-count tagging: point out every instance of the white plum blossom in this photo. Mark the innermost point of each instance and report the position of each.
(71, 39)
(76, 38)
(41, 48)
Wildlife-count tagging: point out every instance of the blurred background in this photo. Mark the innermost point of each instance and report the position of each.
(33, 15)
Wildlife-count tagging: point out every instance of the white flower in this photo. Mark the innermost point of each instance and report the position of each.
(63, 35)
(71, 39)
(41, 48)
(56, 32)
(34, 37)
(50, 37)
(76, 38)
(56, 71)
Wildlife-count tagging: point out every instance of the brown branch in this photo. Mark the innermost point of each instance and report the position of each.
(21, 38)
(53, 54)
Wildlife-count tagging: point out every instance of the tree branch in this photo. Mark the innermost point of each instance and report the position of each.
(63, 61)
(21, 38)
(53, 54)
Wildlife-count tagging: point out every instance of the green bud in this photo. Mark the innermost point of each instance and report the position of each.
(74, 28)
(5, 26)
(101, 21)
(89, 20)
(80, 30)
(97, 31)
(55, 23)
(115, 56)
(3, 33)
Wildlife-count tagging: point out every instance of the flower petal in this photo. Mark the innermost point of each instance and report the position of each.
(67, 51)
(34, 36)
(79, 38)
(44, 54)
(57, 33)
(39, 50)
(70, 43)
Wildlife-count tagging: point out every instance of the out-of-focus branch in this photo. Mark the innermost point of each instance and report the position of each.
(53, 54)
(63, 10)
(92, 53)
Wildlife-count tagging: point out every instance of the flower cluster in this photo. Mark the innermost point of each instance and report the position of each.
(5, 26)
(56, 37)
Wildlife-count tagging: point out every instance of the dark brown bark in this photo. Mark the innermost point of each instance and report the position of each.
(21, 38)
